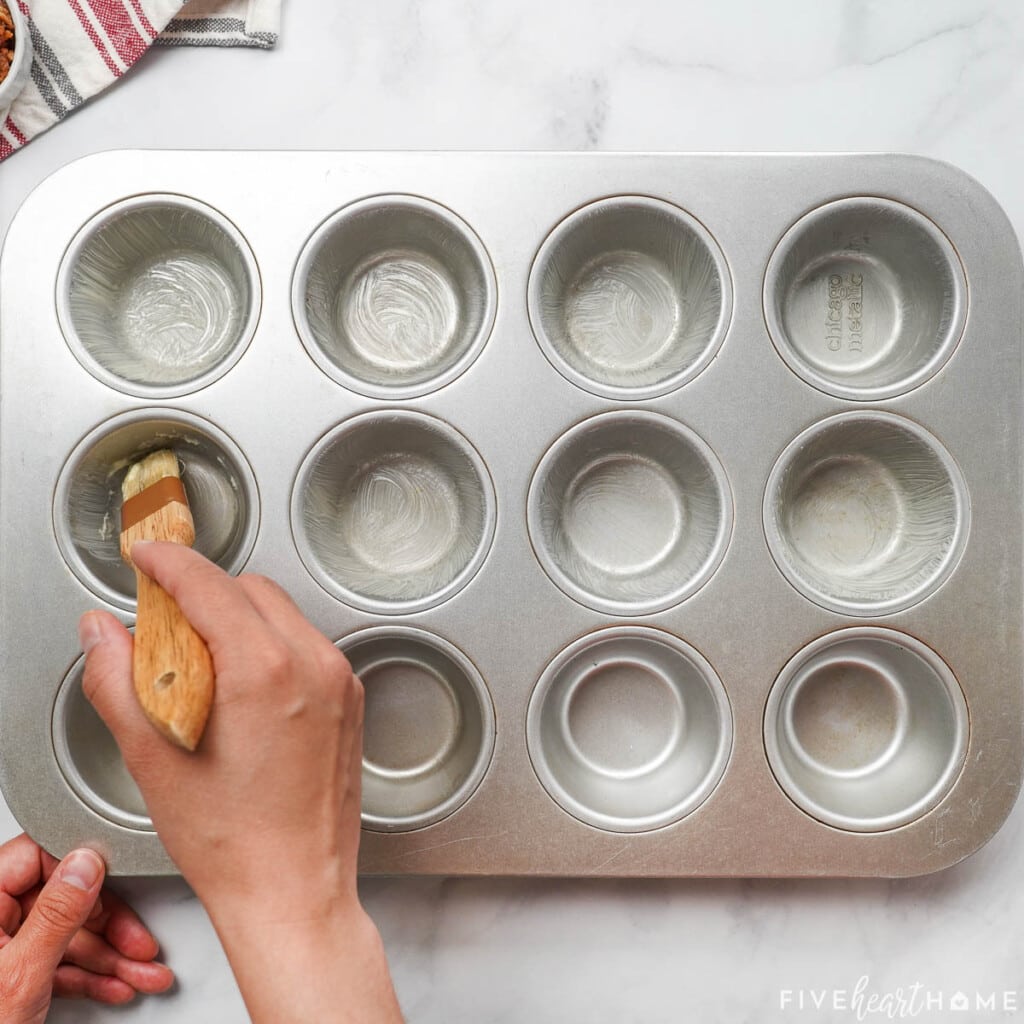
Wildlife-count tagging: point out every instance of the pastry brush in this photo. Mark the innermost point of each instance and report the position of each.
(171, 664)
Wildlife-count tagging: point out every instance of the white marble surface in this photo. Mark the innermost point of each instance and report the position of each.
(944, 79)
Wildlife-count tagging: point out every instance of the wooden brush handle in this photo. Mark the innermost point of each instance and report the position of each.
(172, 666)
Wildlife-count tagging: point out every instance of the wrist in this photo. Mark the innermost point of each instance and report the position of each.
(276, 882)
(291, 899)
(314, 912)
(318, 963)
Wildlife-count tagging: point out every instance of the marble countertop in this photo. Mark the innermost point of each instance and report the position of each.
(943, 79)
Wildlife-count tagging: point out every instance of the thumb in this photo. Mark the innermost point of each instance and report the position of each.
(107, 681)
(62, 907)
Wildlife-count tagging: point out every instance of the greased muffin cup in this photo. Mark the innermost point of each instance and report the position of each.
(218, 480)
(630, 297)
(394, 296)
(158, 295)
(393, 511)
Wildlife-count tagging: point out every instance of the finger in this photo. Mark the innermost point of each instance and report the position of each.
(96, 915)
(150, 978)
(271, 600)
(123, 929)
(277, 609)
(49, 864)
(27, 900)
(10, 913)
(98, 912)
(107, 683)
(59, 912)
(211, 600)
(95, 955)
(75, 983)
(20, 865)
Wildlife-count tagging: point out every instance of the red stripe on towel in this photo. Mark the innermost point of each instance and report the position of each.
(143, 20)
(94, 36)
(15, 131)
(120, 29)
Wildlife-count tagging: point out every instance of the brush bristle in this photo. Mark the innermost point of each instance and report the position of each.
(148, 471)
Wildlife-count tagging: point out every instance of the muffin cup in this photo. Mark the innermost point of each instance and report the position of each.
(630, 297)
(866, 513)
(629, 512)
(866, 729)
(429, 726)
(158, 295)
(865, 298)
(220, 485)
(90, 760)
(629, 729)
(393, 511)
(394, 296)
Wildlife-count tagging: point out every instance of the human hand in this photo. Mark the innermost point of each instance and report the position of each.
(278, 769)
(61, 935)
(263, 818)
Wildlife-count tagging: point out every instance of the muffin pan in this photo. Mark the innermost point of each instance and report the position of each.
(669, 507)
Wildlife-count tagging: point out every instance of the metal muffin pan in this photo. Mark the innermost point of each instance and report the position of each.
(673, 532)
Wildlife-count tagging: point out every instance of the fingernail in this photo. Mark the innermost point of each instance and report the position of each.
(97, 909)
(90, 631)
(82, 869)
(141, 544)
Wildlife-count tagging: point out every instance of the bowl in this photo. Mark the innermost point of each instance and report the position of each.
(21, 64)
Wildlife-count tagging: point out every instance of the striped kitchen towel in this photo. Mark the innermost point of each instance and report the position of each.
(216, 23)
(80, 47)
